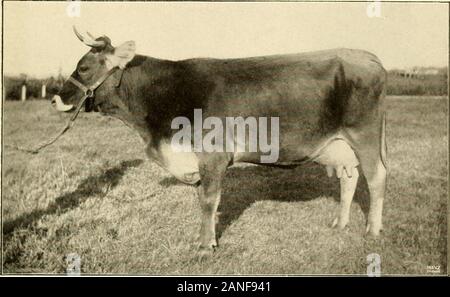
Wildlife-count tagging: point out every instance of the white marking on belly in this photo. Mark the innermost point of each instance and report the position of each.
(182, 165)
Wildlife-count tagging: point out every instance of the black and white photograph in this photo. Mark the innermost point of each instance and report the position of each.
(224, 139)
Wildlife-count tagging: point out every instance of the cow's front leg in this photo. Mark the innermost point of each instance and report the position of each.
(212, 168)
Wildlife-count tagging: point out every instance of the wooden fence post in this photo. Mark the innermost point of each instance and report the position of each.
(24, 93)
(44, 91)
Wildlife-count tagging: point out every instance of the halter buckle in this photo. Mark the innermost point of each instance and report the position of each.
(89, 93)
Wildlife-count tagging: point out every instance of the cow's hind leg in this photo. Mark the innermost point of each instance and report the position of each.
(371, 150)
(212, 170)
(348, 183)
(338, 156)
(375, 172)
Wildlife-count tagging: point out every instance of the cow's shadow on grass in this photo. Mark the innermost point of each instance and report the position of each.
(244, 186)
(91, 186)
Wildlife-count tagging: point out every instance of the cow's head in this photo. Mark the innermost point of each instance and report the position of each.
(93, 67)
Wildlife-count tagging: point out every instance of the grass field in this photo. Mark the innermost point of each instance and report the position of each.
(94, 193)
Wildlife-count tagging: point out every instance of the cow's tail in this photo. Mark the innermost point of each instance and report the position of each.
(383, 148)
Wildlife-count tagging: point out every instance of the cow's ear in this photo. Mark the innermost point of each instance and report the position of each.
(122, 54)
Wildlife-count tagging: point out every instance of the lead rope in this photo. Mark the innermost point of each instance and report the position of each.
(88, 92)
(68, 125)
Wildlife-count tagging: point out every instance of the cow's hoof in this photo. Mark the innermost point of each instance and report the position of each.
(205, 253)
(339, 224)
(373, 230)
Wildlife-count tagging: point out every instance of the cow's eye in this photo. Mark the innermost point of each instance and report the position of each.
(83, 69)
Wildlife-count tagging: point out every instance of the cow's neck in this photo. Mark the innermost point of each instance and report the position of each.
(153, 92)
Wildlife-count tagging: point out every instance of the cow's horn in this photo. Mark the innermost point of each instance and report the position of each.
(59, 105)
(90, 35)
(89, 40)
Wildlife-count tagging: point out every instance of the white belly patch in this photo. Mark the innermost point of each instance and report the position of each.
(182, 165)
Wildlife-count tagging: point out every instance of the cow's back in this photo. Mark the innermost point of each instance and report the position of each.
(286, 84)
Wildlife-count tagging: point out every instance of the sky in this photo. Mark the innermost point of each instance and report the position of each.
(38, 36)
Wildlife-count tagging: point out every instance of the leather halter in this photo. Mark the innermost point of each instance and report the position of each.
(89, 92)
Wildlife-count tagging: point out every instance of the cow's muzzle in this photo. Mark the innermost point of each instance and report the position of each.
(59, 104)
